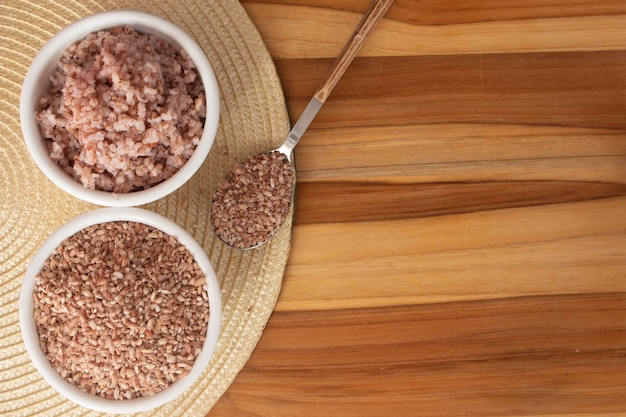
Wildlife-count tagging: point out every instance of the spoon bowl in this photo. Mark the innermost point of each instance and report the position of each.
(253, 200)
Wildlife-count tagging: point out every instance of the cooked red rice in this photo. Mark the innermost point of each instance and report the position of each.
(125, 110)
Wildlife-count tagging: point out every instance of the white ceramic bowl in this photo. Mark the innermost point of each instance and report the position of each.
(37, 82)
(31, 335)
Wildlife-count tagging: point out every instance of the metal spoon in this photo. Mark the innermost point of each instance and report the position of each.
(230, 196)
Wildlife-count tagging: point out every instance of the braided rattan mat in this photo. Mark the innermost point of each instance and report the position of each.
(253, 118)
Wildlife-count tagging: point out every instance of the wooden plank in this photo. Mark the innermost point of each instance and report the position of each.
(561, 355)
(314, 30)
(553, 249)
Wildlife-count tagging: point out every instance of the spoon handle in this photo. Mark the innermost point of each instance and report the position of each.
(368, 22)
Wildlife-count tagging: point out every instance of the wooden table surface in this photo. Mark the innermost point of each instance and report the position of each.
(460, 231)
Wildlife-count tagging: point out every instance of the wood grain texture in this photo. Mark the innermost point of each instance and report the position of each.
(529, 356)
(460, 231)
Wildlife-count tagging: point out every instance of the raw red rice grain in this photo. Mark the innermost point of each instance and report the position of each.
(121, 309)
(253, 200)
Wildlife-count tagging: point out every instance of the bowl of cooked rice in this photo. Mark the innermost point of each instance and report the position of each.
(120, 310)
(120, 108)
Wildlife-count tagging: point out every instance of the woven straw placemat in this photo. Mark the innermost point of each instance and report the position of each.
(253, 118)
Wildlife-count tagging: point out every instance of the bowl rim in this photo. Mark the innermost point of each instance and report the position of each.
(44, 63)
(30, 334)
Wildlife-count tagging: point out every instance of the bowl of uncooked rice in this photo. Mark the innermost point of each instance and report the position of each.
(120, 108)
(120, 310)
